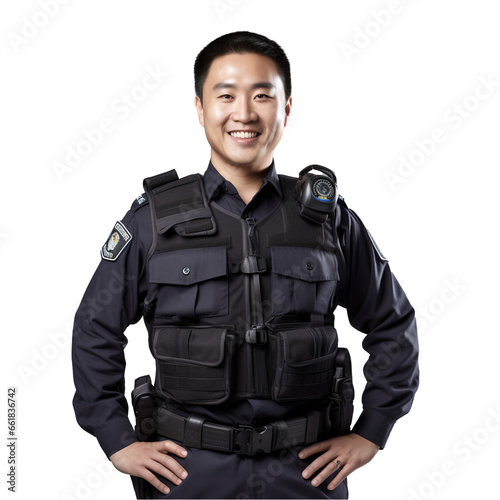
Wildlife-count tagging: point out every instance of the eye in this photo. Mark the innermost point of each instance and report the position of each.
(225, 97)
(261, 96)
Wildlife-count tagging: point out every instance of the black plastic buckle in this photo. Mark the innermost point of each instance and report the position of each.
(256, 335)
(251, 440)
(253, 264)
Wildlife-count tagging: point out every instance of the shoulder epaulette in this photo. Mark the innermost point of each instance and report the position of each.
(139, 202)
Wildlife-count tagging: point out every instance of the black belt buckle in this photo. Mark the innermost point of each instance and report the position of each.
(251, 440)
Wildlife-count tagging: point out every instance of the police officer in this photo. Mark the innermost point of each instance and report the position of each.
(237, 274)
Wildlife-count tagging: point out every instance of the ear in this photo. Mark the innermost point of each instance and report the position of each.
(199, 110)
(288, 109)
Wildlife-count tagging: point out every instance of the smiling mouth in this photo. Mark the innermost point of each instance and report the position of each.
(244, 135)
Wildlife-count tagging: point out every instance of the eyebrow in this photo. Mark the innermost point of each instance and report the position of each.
(258, 85)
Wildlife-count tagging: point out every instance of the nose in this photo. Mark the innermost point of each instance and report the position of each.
(244, 111)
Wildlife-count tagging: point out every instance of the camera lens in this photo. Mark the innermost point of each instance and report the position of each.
(323, 189)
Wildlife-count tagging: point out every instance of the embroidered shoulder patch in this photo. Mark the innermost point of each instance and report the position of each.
(119, 238)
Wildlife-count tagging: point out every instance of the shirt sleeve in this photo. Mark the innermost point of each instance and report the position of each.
(110, 304)
(377, 306)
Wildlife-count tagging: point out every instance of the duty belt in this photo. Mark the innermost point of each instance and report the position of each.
(196, 432)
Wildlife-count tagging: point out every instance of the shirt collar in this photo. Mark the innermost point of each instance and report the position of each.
(213, 180)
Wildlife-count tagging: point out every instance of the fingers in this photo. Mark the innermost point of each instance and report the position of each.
(344, 472)
(315, 448)
(144, 459)
(164, 465)
(169, 468)
(330, 468)
(155, 482)
(342, 454)
(320, 462)
(171, 447)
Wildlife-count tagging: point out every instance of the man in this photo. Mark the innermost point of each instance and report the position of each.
(237, 281)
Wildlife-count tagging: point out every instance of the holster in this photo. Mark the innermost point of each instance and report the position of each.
(342, 396)
(145, 408)
(144, 404)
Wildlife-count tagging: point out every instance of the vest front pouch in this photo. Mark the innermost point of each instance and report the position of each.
(191, 282)
(305, 362)
(304, 280)
(193, 363)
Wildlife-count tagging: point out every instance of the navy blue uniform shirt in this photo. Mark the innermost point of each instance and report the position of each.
(375, 303)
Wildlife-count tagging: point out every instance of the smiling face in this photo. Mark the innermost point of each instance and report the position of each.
(244, 111)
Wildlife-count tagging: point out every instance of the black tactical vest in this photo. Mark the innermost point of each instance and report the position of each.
(238, 308)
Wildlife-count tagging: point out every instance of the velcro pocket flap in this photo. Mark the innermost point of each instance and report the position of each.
(198, 346)
(308, 345)
(186, 267)
(304, 263)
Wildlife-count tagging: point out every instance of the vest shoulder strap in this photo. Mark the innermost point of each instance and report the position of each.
(342, 235)
(297, 231)
(179, 204)
(339, 223)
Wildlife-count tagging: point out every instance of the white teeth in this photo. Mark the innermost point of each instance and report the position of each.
(243, 135)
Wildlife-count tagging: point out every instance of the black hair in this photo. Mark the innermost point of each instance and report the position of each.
(241, 42)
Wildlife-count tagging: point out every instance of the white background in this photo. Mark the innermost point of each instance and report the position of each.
(358, 114)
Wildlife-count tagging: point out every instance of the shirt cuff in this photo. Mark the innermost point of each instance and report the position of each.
(374, 426)
(113, 439)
